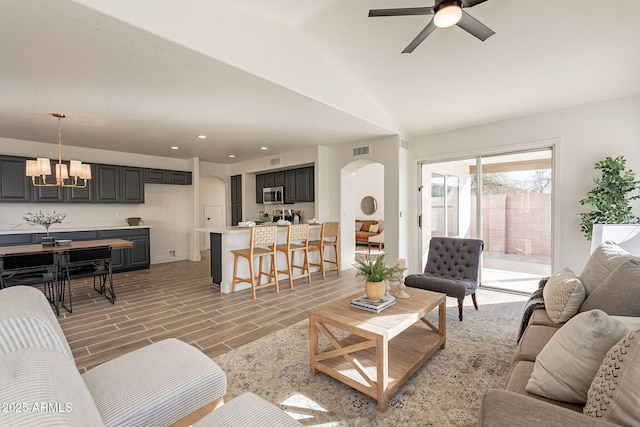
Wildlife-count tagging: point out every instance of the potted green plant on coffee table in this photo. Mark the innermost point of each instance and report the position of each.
(375, 272)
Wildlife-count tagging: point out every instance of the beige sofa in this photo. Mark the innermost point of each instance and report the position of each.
(167, 383)
(551, 353)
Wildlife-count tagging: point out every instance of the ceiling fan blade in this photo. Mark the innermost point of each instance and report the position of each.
(420, 37)
(471, 3)
(474, 27)
(402, 11)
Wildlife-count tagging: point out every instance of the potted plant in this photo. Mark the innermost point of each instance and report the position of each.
(375, 272)
(611, 199)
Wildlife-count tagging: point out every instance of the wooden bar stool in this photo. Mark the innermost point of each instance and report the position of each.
(329, 237)
(262, 242)
(297, 241)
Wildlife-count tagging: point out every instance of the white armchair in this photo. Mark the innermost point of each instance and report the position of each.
(379, 239)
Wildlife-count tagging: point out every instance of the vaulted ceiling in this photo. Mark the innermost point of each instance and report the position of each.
(142, 76)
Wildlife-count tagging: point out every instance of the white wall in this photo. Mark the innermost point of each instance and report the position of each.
(337, 163)
(369, 181)
(582, 135)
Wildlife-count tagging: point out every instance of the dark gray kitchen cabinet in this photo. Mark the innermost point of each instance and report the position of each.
(161, 176)
(290, 186)
(260, 179)
(134, 258)
(236, 199)
(155, 176)
(107, 183)
(83, 194)
(15, 186)
(305, 185)
(179, 178)
(132, 181)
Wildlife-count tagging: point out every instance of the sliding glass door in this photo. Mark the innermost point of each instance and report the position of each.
(505, 200)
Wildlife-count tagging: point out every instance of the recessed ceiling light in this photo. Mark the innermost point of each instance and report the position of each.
(232, 156)
(264, 148)
(175, 148)
(202, 136)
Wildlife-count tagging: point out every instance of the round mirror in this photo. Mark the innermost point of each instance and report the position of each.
(369, 205)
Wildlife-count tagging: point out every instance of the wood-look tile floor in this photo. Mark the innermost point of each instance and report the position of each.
(178, 300)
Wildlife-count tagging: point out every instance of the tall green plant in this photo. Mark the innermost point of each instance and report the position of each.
(610, 200)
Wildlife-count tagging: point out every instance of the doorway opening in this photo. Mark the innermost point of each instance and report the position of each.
(505, 200)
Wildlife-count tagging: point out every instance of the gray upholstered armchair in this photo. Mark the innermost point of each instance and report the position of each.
(452, 268)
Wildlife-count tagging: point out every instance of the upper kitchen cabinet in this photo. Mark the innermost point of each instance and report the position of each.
(107, 183)
(260, 184)
(85, 194)
(161, 176)
(236, 199)
(15, 186)
(132, 182)
(290, 186)
(304, 185)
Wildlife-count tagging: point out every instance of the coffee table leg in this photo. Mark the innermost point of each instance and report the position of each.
(313, 343)
(382, 383)
(442, 322)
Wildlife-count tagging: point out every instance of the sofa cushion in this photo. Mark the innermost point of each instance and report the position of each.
(27, 320)
(517, 383)
(570, 360)
(359, 226)
(563, 295)
(533, 340)
(373, 228)
(619, 293)
(540, 317)
(600, 264)
(613, 394)
(47, 388)
(155, 385)
(248, 410)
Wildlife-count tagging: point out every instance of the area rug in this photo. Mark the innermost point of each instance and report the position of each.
(446, 391)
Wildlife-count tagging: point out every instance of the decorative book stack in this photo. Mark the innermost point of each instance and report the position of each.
(373, 305)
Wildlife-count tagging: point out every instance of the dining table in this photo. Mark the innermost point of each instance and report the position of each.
(81, 244)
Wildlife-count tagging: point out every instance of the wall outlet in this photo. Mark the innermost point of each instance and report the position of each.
(172, 253)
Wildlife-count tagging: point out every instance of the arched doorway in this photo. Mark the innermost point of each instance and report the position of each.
(362, 187)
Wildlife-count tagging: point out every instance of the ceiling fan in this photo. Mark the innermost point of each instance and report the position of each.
(446, 13)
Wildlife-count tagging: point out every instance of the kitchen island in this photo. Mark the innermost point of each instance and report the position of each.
(225, 239)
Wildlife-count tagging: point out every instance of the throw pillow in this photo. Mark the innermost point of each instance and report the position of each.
(359, 226)
(567, 364)
(380, 225)
(619, 294)
(600, 264)
(613, 394)
(373, 228)
(563, 295)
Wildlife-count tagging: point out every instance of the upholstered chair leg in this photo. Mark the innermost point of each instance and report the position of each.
(460, 309)
(473, 298)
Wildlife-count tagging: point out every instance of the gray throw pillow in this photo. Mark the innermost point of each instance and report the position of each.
(359, 226)
(619, 293)
(601, 263)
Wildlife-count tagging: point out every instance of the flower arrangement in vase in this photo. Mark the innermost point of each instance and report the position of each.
(375, 272)
(44, 219)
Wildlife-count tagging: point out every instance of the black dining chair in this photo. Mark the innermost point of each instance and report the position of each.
(31, 269)
(85, 263)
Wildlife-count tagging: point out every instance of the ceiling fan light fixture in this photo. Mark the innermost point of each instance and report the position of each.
(447, 16)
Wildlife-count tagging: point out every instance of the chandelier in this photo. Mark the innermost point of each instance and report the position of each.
(40, 169)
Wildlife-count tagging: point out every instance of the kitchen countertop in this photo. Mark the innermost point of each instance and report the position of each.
(54, 229)
(237, 229)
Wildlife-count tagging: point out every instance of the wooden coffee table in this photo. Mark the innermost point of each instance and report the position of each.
(382, 351)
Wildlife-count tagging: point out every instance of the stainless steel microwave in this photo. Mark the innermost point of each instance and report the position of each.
(272, 195)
